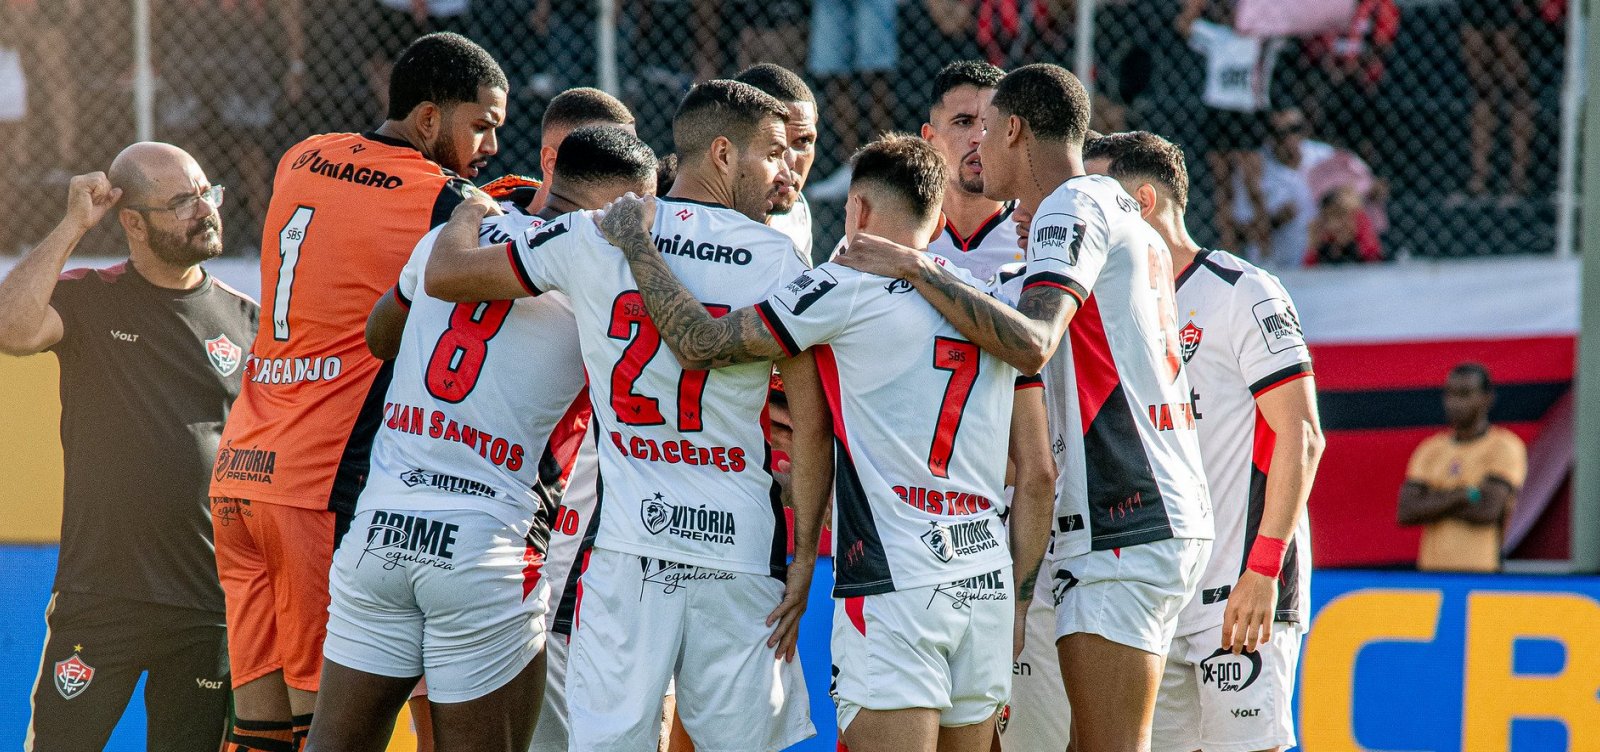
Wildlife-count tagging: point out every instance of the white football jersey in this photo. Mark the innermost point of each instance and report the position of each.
(684, 465)
(461, 427)
(922, 419)
(1240, 338)
(1120, 420)
(991, 246)
(796, 223)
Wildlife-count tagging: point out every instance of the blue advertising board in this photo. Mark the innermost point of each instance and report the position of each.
(1393, 661)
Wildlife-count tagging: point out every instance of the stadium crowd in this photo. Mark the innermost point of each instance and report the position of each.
(1451, 109)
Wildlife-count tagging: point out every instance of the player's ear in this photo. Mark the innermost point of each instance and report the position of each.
(722, 154)
(926, 132)
(547, 161)
(429, 120)
(1145, 194)
(1014, 128)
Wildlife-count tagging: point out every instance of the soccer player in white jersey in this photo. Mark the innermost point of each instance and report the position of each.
(568, 111)
(979, 235)
(686, 576)
(1133, 518)
(1256, 403)
(440, 575)
(790, 213)
(924, 582)
(975, 232)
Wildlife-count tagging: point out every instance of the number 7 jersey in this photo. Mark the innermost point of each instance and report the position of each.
(684, 463)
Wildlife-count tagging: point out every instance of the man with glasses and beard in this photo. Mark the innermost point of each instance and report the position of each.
(151, 351)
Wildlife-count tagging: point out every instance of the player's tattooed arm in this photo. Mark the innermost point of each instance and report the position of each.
(1033, 499)
(698, 340)
(458, 270)
(1025, 336)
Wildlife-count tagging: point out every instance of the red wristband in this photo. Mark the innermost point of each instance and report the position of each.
(1266, 556)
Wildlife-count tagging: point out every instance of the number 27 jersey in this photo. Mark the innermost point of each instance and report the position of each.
(684, 464)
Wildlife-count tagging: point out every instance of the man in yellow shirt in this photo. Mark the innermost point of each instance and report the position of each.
(1461, 484)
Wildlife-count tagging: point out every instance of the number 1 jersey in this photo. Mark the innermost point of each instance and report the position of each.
(347, 209)
(1121, 424)
(685, 469)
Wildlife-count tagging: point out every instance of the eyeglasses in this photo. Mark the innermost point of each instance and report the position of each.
(1292, 129)
(188, 207)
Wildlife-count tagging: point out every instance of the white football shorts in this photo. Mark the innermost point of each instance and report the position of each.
(946, 647)
(1038, 718)
(452, 595)
(1214, 700)
(642, 621)
(1131, 596)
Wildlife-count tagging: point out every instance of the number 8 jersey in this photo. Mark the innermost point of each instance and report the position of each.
(481, 396)
(684, 464)
(1121, 423)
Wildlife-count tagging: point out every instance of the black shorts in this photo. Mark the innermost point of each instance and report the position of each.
(1235, 131)
(95, 649)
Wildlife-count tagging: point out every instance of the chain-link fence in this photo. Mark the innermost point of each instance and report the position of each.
(1421, 128)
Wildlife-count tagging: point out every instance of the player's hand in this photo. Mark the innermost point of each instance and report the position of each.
(89, 197)
(1024, 219)
(627, 218)
(786, 617)
(885, 258)
(478, 203)
(1247, 623)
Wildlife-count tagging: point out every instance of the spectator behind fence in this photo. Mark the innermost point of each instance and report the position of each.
(221, 98)
(855, 47)
(152, 355)
(1342, 232)
(1462, 483)
(1287, 161)
(1490, 44)
(1351, 66)
(392, 25)
(1238, 81)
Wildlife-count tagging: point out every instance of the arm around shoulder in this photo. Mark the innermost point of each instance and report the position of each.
(459, 271)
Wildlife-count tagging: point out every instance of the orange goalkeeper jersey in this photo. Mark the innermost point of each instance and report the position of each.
(347, 209)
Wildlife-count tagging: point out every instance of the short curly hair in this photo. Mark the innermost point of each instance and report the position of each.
(443, 68)
(1049, 99)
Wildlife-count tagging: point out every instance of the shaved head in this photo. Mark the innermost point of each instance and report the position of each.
(138, 168)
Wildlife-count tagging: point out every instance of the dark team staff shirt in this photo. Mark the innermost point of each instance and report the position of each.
(147, 378)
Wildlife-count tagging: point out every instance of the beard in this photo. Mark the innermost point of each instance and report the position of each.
(191, 247)
(754, 196)
(785, 203)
